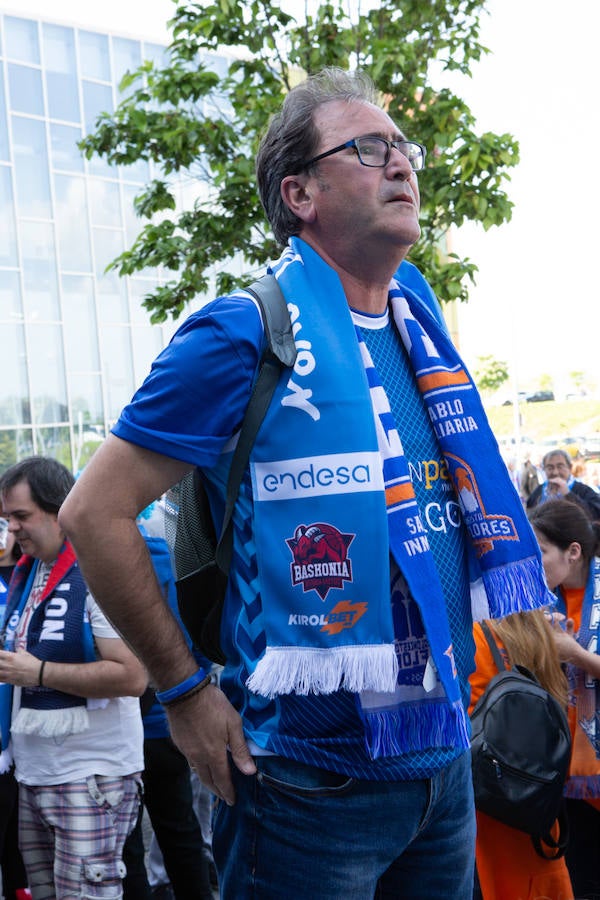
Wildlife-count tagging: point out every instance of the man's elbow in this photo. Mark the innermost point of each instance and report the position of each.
(71, 516)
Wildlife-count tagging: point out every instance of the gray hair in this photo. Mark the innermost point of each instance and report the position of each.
(292, 138)
(558, 451)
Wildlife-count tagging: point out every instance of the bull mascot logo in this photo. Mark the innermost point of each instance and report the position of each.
(320, 558)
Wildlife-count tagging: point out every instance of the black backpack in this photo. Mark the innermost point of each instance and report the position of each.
(201, 559)
(520, 752)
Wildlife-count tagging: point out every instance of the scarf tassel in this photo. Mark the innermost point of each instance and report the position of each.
(6, 761)
(414, 727)
(50, 723)
(514, 587)
(308, 670)
(582, 787)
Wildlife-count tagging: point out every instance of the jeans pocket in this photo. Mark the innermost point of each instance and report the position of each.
(299, 779)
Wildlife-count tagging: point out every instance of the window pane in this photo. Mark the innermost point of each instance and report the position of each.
(97, 98)
(138, 288)
(14, 400)
(105, 202)
(87, 418)
(4, 145)
(10, 297)
(118, 371)
(65, 152)
(133, 223)
(157, 54)
(61, 72)
(87, 409)
(112, 299)
(147, 344)
(127, 57)
(79, 328)
(21, 40)
(46, 367)
(8, 240)
(31, 168)
(39, 272)
(54, 442)
(25, 89)
(63, 97)
(72, 223)
(15, 444)
(139, 172)
(93, 55)
(112, 296)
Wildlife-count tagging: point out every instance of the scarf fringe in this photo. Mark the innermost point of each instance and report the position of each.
(583, 787)
(516, 587)
(309, 670)
(414, 727)
(51, 723)
(480, 607)
(6, 761)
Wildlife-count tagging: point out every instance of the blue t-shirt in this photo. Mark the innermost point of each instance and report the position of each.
(189, 407)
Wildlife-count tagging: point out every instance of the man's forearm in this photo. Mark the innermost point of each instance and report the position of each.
(99, 517)
(103, 678)
(127, 590)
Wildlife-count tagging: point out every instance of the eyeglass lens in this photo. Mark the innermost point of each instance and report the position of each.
(375, 151)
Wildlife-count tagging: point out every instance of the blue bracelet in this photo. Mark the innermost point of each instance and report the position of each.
(184, 687)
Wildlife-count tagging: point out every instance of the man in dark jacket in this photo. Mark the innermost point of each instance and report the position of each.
(560, 482)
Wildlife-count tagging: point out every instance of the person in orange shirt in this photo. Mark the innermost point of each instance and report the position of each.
(570, 543)
(508, 867)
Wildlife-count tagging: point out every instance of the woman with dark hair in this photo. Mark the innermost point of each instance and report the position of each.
(506, 861)
(570, 543)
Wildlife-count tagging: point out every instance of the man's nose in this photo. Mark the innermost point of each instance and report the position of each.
(399, 165)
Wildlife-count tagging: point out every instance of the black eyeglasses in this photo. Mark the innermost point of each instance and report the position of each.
(375, 152)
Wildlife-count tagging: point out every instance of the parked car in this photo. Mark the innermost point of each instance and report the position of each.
(521, 396)
(539, 396)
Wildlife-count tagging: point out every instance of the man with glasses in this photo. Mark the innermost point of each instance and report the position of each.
(337, 740)
(560, 482)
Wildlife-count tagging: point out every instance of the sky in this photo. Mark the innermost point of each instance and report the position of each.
(536, 298)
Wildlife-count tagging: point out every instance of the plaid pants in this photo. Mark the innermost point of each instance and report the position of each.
(71, 836)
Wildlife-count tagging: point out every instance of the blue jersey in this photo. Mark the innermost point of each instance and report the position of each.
(188, 408)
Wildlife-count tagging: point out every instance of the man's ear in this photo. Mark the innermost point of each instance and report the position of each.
(297, 197)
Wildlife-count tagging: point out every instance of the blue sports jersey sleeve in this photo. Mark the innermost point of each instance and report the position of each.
(198, 388)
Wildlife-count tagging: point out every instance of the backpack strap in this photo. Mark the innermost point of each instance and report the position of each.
(276, 319)
(497, 656)
(280, 353)
(556, 847)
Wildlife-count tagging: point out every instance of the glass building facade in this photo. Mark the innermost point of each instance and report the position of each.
(76, 340)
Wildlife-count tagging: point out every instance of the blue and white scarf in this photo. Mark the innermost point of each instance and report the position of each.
(59, 630)
(545, 495)
(584, 694)
(333, 498)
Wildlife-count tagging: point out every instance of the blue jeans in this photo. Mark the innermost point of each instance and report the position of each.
(297, 831)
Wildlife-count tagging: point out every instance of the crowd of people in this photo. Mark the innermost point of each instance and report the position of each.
(335, 742)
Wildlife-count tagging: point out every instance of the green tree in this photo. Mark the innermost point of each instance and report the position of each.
(578, 379)
(490, 374)
(192, 121)
(545, 382)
